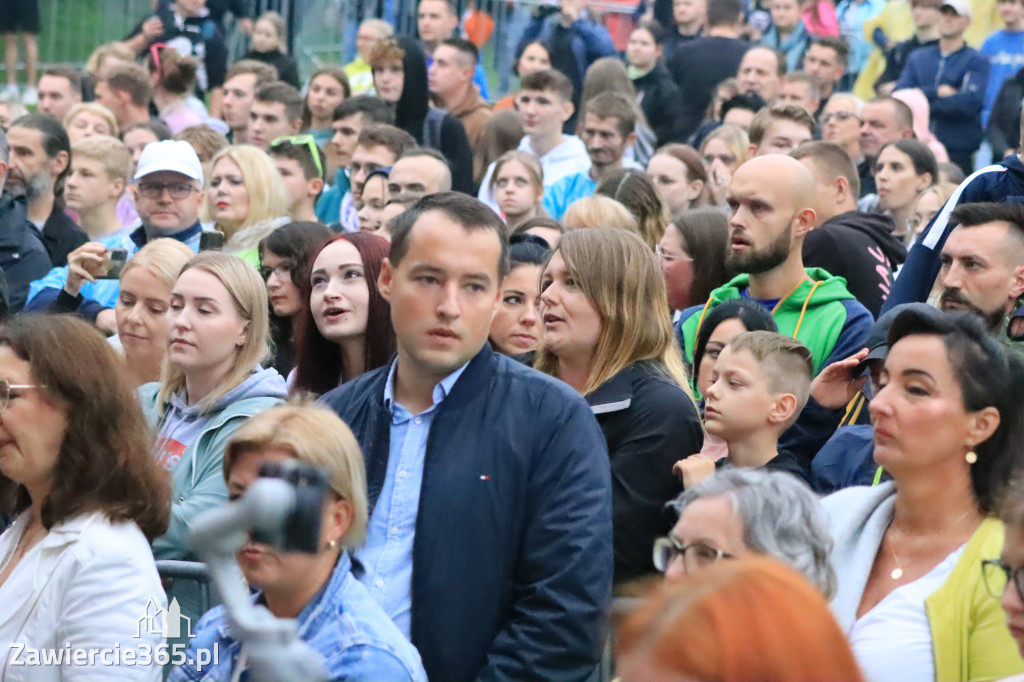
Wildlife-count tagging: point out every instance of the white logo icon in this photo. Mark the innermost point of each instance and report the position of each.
(163, 622)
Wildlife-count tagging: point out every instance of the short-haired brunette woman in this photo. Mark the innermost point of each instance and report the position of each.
(949, 428)
(608, 334)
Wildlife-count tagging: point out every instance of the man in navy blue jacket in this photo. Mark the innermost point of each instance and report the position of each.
(953, 77)
(490, 535)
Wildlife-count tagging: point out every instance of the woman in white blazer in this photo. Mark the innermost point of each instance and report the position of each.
(80, 597)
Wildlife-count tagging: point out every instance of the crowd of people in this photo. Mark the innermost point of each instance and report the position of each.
(695, 357)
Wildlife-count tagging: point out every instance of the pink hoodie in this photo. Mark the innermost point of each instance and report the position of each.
(918, 103)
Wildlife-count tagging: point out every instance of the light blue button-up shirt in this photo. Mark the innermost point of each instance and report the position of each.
(387, 555)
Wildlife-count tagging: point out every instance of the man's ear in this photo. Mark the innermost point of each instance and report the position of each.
(804, 221)
(384, 280)
(60, 163)
(296, 124)
(316, 185)
(842, 186)
(123, 98)
(117, 188)
(1017, 282)
(630, 140)
(568, 109)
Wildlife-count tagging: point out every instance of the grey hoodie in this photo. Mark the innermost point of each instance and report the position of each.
(190, 445)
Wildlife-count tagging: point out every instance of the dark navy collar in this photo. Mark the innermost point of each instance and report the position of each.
(140, 238)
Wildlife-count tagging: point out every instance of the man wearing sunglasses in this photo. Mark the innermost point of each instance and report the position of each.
(300, 163)
(168, 195)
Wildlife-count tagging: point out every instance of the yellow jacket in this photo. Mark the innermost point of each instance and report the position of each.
(969, 634)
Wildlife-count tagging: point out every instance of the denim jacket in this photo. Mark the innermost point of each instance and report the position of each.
(342, 623)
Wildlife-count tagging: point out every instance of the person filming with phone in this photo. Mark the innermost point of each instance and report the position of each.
(168, 195)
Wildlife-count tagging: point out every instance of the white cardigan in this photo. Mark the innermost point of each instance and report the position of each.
(86, 584)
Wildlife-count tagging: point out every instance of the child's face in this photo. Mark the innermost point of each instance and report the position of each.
(738, 401)
(264, 37)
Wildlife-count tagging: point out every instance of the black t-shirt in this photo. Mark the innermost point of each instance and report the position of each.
(698, 66)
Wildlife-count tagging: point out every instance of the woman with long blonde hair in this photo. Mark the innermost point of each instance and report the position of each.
(211, 383)
(608, 334)
(245, 199)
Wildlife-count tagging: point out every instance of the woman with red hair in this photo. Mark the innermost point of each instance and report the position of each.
(748, 619)
(344, 328)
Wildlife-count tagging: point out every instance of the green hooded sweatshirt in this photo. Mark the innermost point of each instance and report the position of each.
(821, 313)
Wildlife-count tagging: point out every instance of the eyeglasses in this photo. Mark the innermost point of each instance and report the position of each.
(156, 190)
(839, 116)
(283, 270)
(299, 140)
(997, 574)
(695, 556)
(5, 391)
(670, 257)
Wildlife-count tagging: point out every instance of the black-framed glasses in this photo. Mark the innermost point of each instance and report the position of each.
(300, 140)
(695, 555)
(5, 391)
(155, 190)
(997, 573)
(282, 269)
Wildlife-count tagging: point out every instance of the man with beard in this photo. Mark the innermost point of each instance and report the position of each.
(22, 254)
(609, 120)
(40, 159)
(770, 203)
(983, 265)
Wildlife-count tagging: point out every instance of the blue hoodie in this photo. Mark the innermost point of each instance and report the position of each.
(1002, 182)
(956, 119)
(190, 444)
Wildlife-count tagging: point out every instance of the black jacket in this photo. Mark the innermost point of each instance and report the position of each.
(660, 101)
(649, 424)
(23, 257)
(512, 557)
(411, 115)
(1003, 132)
(698, 66)
(861, 248)
(61, 236)
(287, 68)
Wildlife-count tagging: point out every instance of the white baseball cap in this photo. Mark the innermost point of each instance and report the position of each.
(961, 7)
(176, 156)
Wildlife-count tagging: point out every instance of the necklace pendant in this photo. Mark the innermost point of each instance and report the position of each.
(896, 574)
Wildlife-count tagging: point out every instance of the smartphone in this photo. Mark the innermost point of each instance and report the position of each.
(118, 257)
(212, 240)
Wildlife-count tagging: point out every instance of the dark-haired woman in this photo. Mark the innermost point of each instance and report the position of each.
(345, 326)
(692, 254)
(285, 258)
(400, 78)
(76, 571)
(516, 327)
(656, 91)
(948, 423)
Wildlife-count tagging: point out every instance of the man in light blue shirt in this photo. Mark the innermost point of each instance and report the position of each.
(609, 122)
(387, 554)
